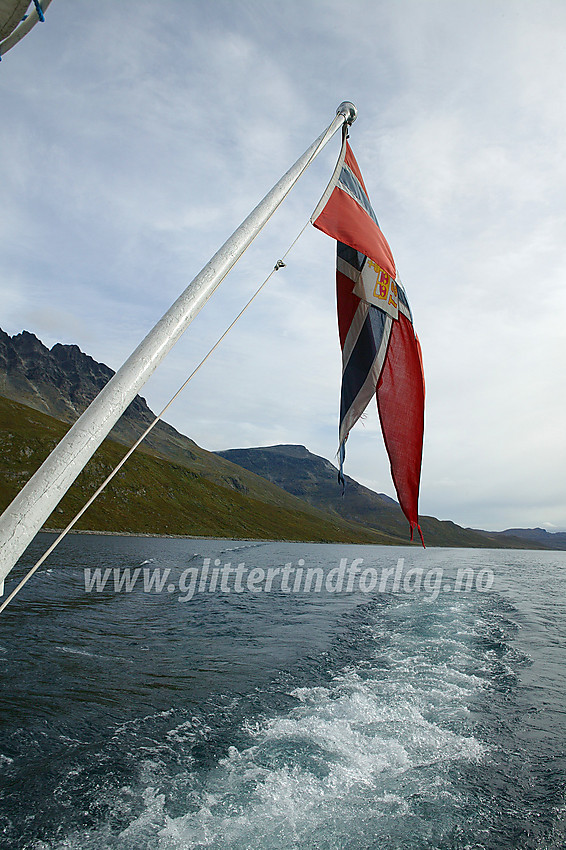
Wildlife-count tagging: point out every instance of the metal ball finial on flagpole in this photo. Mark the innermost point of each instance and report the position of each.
(348, 110)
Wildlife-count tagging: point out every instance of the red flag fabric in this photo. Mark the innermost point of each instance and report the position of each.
(380, 350)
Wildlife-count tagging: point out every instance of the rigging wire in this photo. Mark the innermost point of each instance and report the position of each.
(278, 265)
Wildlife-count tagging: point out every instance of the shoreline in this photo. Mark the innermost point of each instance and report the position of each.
(147, 534)
(203, 537)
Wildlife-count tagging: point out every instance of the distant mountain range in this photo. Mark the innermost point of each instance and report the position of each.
(276, 492)
(544, 539)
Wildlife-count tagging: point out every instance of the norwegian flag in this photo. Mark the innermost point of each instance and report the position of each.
(380, 349)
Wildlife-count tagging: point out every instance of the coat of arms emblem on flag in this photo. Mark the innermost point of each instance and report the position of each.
(381, 354)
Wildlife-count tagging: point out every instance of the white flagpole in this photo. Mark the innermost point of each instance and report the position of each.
(24, 517)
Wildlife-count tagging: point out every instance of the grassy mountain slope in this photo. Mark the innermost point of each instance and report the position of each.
(153, 495)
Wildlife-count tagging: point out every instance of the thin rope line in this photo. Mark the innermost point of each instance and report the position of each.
(278, 265)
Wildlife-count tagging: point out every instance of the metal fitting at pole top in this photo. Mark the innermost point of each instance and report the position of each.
(348, 110)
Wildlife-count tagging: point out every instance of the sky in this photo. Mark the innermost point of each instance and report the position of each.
(137, 135)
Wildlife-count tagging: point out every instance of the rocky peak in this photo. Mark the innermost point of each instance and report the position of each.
(62, 382)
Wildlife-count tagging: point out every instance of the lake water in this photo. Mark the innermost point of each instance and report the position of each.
(414, 709)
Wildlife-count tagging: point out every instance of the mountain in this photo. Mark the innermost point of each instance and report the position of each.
(314, 479)
(62, 382)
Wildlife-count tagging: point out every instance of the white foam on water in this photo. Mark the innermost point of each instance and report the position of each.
(355, 751)
(347, 766)
(73, 650)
